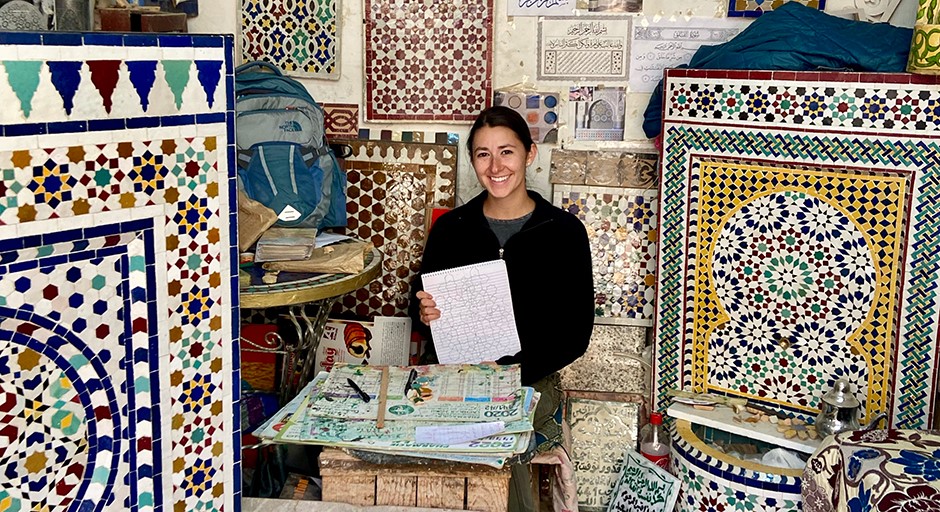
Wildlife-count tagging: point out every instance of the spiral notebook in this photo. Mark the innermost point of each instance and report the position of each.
(477, 323)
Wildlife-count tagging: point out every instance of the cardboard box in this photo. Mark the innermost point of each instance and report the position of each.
(386, 341)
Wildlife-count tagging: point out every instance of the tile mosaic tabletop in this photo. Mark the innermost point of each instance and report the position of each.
(118, 300)
(798, 222)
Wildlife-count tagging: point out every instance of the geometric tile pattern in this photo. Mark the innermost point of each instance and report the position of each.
(432, 63)
(714, 480)
(301, 38)
(340, 120)
(69, 93)
(391, 188)
(117, 305)
(794, 281)
(621, 225)
(873, 185)
(754, 8)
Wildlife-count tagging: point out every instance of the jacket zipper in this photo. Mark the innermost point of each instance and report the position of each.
(502, 250)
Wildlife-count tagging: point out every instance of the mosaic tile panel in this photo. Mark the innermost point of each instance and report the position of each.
(614, 361)
(301, 38)
(117, 312)
(340, 120)
(428, 62)
(737, 237)
(392, 186)
(604, 168)
(621, 226)
(601, 426)
(712, 480)
(409, 136)
(754, 8)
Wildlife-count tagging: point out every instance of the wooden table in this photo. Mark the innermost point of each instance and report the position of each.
(319, 290)
(434, 484)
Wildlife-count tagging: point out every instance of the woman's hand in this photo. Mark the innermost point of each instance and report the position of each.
(428, 308)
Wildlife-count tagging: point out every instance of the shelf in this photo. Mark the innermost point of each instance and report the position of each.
(722, 418)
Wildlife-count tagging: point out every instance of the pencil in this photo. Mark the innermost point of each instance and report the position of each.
(383, 395)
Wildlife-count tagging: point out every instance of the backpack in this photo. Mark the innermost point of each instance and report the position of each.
(284, 160)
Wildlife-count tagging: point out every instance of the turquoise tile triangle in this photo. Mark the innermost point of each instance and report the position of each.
(177, 76)
(23, 77)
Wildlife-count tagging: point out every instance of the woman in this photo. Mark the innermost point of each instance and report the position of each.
(547, 256)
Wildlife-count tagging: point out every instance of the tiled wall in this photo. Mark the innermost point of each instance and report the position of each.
(798, 222)
(118, 371)
(798, 246)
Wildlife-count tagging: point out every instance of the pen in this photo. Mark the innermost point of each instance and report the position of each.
(411, 380)
(362, 394)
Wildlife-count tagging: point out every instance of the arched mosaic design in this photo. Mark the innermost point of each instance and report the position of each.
(840, 165)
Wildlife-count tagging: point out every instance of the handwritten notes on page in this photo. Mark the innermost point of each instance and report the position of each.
(477, 323)
(657, 45)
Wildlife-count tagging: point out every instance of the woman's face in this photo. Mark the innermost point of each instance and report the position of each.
(500, 160)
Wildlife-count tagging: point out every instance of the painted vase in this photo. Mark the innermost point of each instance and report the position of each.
(925, 47)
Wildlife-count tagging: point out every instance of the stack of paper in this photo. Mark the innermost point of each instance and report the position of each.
(469, 413)
(286, 244)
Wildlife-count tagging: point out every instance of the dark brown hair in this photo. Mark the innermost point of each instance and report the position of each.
(501, 116)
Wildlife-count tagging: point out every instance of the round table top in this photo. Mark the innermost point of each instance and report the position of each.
(310, 289)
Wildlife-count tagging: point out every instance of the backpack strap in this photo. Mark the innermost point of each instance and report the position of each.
(243, 158)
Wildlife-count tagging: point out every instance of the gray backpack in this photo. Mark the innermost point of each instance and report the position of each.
(284, 160)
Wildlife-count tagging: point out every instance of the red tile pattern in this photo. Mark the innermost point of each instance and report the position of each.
(428, 61)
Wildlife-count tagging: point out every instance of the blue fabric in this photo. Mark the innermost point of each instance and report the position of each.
(798, 38)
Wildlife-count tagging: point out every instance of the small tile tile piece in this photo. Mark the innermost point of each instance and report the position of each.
(300, 38)
(612, 362)
(341, 120)
(622, 229)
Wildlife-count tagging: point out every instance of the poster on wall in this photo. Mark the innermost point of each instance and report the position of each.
(540, 7)
(643, 487)
(584, 48)
(657, 45)
(597, 113)
(540, 111)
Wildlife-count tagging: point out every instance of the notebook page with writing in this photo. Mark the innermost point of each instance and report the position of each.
(477, 323)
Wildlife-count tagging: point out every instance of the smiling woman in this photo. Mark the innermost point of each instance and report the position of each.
(548, 260)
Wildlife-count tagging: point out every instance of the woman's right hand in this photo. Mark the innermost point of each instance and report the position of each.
(428, 308)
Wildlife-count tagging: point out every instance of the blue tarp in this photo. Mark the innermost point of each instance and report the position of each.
(799, 38)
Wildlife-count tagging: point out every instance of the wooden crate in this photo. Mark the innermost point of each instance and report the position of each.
(436, 484)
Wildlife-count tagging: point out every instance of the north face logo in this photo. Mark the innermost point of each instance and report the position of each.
(290, 126)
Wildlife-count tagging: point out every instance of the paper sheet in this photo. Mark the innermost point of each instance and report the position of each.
(454, 434)
(477, 323)
(660, 44)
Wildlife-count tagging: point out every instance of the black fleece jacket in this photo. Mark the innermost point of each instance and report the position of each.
(550, 278)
